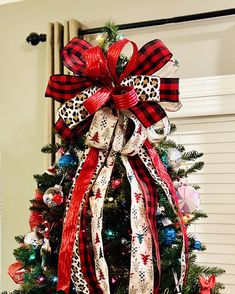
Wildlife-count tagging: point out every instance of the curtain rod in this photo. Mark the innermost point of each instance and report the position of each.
(164, 21)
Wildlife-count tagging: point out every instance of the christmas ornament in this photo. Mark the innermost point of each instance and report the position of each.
(164, 159)
(67, 160)
(116, 183)
(53, 196)
(169, 236)
(35, 219)
(33, 239)
(174, 158)
(189, 199)
(160, 210)
(38, 195)
(206, 284)
(166, 221)
(17, 272)
(197, 245)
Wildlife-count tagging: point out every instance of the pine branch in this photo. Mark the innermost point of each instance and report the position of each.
(51, 148)
(195, 186)
(172, 129)
(195, 167)
(191, 155)
(166, 144)
(19, 239)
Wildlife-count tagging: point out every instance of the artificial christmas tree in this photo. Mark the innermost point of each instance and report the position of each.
(112, 215)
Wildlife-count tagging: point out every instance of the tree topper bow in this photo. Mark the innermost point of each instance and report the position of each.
(127, 91)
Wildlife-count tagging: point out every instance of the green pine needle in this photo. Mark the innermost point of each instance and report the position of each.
(195, 167)
(191, 155)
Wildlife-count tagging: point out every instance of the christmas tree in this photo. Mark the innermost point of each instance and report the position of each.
(130, 229)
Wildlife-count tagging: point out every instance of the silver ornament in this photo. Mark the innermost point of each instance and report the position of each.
(174, 158)
(48, 195)
(32, 239)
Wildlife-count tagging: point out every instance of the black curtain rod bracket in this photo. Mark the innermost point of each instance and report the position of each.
(35, 38)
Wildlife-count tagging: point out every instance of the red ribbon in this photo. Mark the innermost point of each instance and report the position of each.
(97, 67)
(206, 285)
(69, 228)
(162, 173)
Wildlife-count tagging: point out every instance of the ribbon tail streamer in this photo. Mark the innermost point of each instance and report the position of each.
(70, 225)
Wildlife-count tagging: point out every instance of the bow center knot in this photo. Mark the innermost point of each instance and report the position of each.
(124, 97)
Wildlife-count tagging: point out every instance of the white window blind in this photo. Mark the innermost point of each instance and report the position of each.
(215, 137)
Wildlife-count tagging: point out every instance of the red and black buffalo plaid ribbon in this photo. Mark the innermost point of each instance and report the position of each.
(151, 57)
(86, 254)
(70, 136)
(151, 201)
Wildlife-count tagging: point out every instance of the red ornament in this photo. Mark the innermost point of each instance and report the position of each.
(116, 183)
(38, 195)
(16, 272)
(58, 199)
(206, 285)
(35, 219)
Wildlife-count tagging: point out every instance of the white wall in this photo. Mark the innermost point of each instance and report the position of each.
(205, 48)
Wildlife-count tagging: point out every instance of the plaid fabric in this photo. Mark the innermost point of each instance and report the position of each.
(151, 200)
(68, 135)
(72, 55)
(151, 57)
(169, 89)
(65, 87)
(86, 255)
(148, 112)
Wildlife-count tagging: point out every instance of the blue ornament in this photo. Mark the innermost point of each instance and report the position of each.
(169, 236)
(164, 159)
(197, 245)
(67, 160)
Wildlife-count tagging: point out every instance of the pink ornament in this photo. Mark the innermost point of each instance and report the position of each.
(116, 183)
(189, 199)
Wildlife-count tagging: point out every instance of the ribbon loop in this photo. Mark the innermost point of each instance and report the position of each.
(124, 97)
(72, 55)
(102, 128)
(113, 55)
